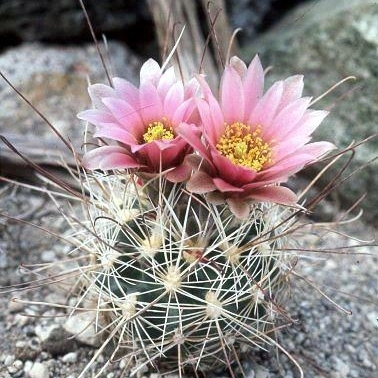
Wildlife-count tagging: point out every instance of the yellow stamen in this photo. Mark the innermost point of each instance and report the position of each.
(243, 147)
(158, 130)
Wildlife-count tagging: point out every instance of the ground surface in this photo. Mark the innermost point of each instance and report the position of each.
(326, 342)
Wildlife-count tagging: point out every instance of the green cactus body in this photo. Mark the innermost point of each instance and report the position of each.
(184, 284)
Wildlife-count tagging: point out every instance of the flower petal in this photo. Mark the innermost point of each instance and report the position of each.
(168, 78)
(115, 132)
(286, 120)
(96, 117)
(239, 66)
(239, 207)
(150, 103)
(179, 174)
(276, 194)
(127, 91)
(224, 186)
(183, 112)
(231, 96)
(230, 172)
(126, 115)
(310, 121)
(293, 88)
(253, 85)
(173, 99)
(266, 108)
(97, 92)
(108, 157)
(150, 72)
(212, 129)
(200, 182)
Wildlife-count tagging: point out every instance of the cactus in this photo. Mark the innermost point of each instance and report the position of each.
(181, 283)
(188, 229)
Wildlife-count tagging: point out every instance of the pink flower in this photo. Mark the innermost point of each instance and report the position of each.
(249, 141)
(143, 122)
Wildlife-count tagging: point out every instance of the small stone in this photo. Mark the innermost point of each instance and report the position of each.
(82, 325)
(39, 371)
(373, 318)
(43, 332)
(15, 367)
(28, 366)
(15, 306)
(260, 372)
(21, 320)
(70, 358)
(58, 342)
(8, 360)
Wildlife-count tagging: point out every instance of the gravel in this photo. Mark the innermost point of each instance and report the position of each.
(325, 341)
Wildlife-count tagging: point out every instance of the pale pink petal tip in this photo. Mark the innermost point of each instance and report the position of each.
(108, 157)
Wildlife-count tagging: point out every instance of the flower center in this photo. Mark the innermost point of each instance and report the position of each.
(243, 147)
(158, 130)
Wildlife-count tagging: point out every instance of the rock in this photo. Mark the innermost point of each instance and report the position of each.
(252, 16)
(56, 83)
(15, 367)
(82, 326)
(15, 306)
(58, 342)
(39, 370)
(70, 358)
(64, 20)
(327, 41)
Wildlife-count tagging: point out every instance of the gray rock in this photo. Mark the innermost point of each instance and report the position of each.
(64, 21)
(39, 370)
(56, 83)
(327, 41)
(59, 342)
(82, 326)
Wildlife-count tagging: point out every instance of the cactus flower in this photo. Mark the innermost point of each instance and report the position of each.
(143, 122)
(251, 142)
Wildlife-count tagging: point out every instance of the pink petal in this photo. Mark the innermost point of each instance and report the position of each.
(253, 85)
(96, 117)
(108, 157)
(126, 115)
(191, 88)
(183, 112)
(173, 99)
(204, 86)
(150, 103)
(231, 172)
(212, 128)
(239, 207)
(293, 88)
(127, 92)
(286, 167)
(309, 122)
(115, 132)
(150, 72)
(192, 135)
(286, 120)
(97, 92)
(276, 194)
(239, 66)
(200, 182)
(289, 146)
(231, 95)
(225, 187)
(266, 108)
(317, 149)
(168, 78)
(179, 174)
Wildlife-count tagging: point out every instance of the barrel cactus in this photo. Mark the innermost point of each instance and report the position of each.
(188, 229)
